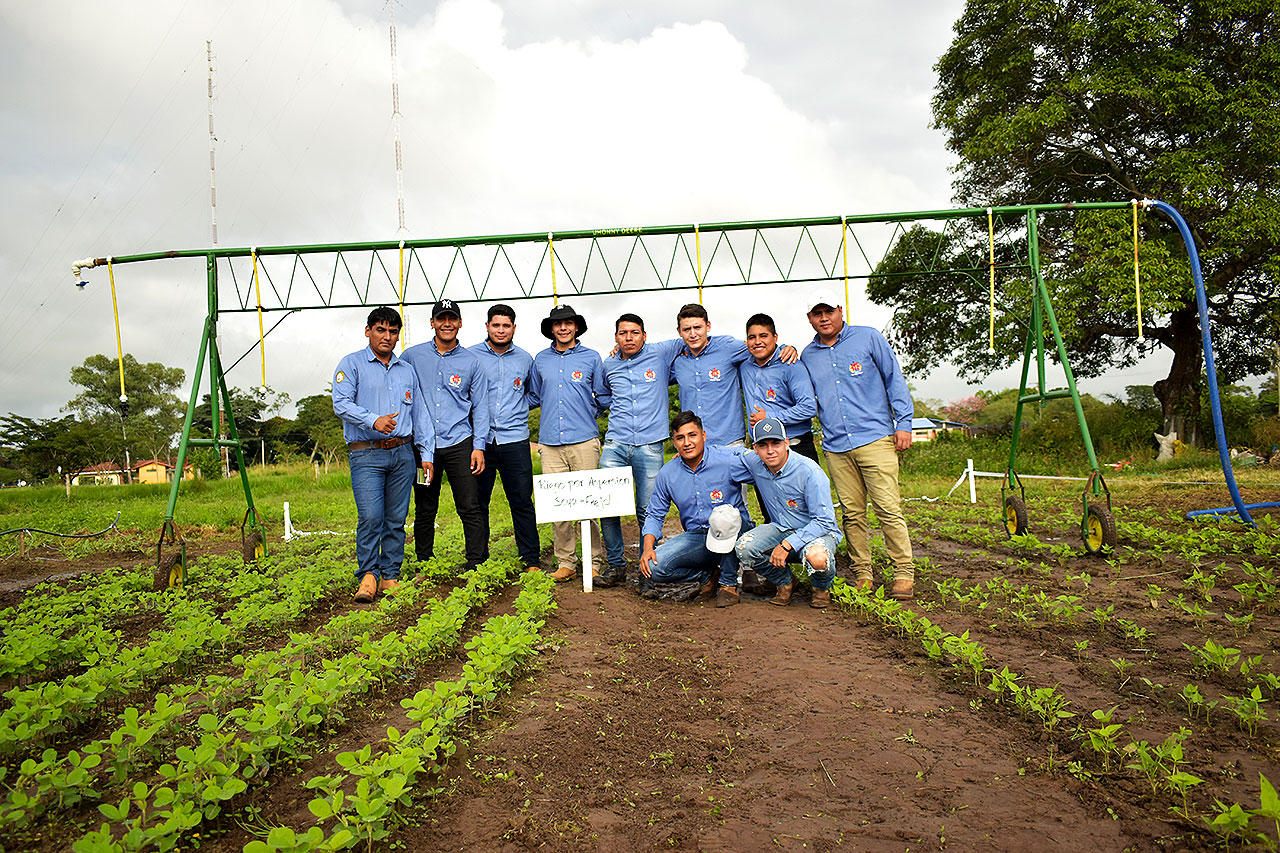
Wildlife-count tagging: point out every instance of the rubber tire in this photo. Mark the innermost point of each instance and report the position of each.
(1015, 516)
(254, 547)
(1098, 530)
(171, 573)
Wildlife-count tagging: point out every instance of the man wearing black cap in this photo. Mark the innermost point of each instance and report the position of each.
(568, 383)
(457, 395)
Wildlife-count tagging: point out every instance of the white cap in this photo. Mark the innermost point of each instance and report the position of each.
(822, 296)
(722, 529)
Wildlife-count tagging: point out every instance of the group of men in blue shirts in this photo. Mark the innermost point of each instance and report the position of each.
(462, 413)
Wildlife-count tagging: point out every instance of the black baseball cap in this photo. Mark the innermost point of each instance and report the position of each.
(445, 306)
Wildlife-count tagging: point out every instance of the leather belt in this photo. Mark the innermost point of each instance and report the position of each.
(378, 444)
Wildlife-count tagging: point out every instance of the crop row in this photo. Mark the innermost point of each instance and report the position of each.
(1161, 764)
(265, 601)
(386, 783)
(242, 745)
(141, 738)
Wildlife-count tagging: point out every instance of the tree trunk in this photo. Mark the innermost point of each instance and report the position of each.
(1179, 392)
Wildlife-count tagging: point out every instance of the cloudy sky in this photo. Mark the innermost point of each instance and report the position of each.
(527, 116)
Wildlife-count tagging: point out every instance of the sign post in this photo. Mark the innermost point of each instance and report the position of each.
(583, 496)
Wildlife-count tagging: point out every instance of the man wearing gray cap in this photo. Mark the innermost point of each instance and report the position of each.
(865, 410)
(797, 494)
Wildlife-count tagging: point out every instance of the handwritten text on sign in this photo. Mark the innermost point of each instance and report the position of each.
(575, 495)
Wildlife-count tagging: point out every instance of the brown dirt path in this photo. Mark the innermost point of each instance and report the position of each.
(659, 725)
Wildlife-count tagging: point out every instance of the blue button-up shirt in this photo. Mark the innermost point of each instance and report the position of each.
(638, 391)
(570, 388)
(697, 491)
(861, 391)
(365, 389)
(457, 392)
(710, 387)
(508, 375)
(798, 498)
(783, 390)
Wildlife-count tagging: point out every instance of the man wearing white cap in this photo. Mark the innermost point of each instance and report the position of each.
(797, 494)
(700, 482)
(865, 410)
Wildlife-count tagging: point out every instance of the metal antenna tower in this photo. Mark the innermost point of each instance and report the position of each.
(395, 122)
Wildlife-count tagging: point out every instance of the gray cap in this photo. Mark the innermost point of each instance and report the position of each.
(768, 428)
(722, 529)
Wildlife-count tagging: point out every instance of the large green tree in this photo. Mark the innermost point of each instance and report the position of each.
(1048, 101)
(152, 415)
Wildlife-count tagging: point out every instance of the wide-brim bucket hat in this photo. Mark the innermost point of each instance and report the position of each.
(562, 312)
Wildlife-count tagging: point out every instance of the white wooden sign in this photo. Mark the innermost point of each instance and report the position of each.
(577, 495)
(582, 496)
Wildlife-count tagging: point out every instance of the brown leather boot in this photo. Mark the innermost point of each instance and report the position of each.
(368, 588)
(821, 599)
(564, 573)
(708, 590)
(388, 585)
(783, 597)
(727, 596)
(863, 583)
(903, 589)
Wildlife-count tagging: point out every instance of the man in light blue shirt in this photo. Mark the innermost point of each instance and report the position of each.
(568, 382)
(636, 377)
(706, 368)
(774, 388)
(798, 495)
(865, 408)
(506, 452)
(458, 399)
(378, 399)
(700, 479)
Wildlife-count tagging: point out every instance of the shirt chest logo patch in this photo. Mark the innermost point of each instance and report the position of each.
(576, 376)
(771, 394)
(649, 375)
(455, 380)
(855, 369)
(791, 502)
(518, 382)
(714, 374)
(717, 495)
(408, 397)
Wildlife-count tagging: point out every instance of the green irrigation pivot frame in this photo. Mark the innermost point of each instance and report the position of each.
(506, 267)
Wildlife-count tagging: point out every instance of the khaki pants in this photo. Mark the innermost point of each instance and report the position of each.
(556, 459)
(871, 471)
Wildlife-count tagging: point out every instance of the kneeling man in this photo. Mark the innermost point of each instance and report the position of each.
(699, 481)
(797, 494)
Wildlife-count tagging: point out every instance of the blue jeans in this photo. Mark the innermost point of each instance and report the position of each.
(382, 481)
(645, 461)
(515, 463)
(686, 558)
(755, 546)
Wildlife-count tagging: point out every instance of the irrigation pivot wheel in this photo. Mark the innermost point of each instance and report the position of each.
(1015, 516)
(172, 571)
(1098, 528)
(254, 546)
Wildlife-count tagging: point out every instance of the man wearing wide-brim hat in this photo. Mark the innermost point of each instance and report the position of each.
(567, 381)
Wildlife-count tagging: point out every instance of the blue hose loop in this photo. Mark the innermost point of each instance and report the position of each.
(1202, 302)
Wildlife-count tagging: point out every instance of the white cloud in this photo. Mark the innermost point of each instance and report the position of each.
(529, 117)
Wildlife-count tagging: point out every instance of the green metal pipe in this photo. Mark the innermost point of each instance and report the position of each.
(186, 441)
(658, 230)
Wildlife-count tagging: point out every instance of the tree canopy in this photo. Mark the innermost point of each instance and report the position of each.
(147, 423)
(1053, 101)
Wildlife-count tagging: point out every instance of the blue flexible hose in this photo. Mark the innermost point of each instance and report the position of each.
(1202, 302)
